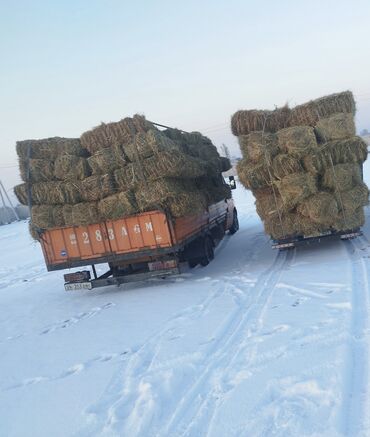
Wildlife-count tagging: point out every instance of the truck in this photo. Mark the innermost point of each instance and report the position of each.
(137, 247)
(331, 234)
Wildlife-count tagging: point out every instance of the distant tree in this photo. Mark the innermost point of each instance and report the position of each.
(225, 151)
(364, 132)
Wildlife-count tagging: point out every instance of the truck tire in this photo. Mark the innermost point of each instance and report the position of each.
(235, 225)
(208, 253)
(193, 263)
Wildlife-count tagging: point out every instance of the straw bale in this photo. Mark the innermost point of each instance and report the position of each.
(351, 150)
(258, 146)
(311, 112)
(118, 205)
(245, 122)
(128, 176)
(47, 216)
(40, 170)
(34, 231)
(321, 208)
(298, 140)
(180, 197)
(72, 192)
(296, 187)
(85, 213)
(20, 192)
(214, 188)
(354, 198)
(253, 176)
(284, 164)
(114, 134)
(97, 187)
(173, 164)
(67, 215)
(71, 167)
(350, 220)
(268, 204)
(281, 227)
(106, 161)
(336, 127)
(147, 144)
(341, 177)
(50, 148)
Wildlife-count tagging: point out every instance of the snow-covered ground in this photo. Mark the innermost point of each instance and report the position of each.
(258, 343)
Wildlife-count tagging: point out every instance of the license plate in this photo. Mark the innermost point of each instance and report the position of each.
(78, 286)
(162, 265)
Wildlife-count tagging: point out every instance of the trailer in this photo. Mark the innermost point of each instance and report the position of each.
(137, 247)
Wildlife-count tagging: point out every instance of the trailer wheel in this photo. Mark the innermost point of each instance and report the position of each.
(235, 224)
(209, 253)
(193, 263)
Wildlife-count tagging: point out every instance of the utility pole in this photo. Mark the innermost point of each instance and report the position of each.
(2, 189)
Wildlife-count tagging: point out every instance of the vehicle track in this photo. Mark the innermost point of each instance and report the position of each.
(357, 396)
(103, 414)
(196, 413)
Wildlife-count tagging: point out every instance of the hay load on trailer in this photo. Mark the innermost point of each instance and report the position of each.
(304, 167)
(118, 169)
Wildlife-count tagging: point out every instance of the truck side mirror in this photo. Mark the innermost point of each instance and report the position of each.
(232, 182)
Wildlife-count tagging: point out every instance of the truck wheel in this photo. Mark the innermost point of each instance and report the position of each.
(235, 224)
(209, 253)
(193, 263)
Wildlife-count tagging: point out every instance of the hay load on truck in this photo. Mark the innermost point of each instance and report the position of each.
(144, 200)
(304, 167)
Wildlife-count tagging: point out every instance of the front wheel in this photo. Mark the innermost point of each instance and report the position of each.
(209, 253)
(235, 224)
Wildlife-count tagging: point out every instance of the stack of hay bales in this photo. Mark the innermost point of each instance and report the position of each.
(303, 166)
(119, 169)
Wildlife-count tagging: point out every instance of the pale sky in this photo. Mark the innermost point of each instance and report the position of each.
(67, 65)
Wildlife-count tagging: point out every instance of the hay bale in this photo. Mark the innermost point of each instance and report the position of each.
(295, 188)
(147, 144)
(311, 112)
(129, 176)
(85, 213)
(353, 199)
(297, 141)
(47, 216)
(67, 215)
(114, 134)
(284, 164)
(180, 197)
(50, 148)
(268, 204)
(40, 170)
(214, 188)
(352, 150)
(258, 146)
(172, 164)
(350, 220)
(245, 122)
(71, 167)
(281, 227)
(97, 187)
(321, 208)
(106, 161)
(253, 176)
(336, 127)
(20, 192)
(118, 206)
(341, 177)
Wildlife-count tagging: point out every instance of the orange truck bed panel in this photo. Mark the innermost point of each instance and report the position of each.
(149, 231)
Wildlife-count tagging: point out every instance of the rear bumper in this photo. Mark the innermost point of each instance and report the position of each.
(301, 241)
(125, 279)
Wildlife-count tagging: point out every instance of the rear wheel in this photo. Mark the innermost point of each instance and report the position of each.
(209, 253)
(235, 224)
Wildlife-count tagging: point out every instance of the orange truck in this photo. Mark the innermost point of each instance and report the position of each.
(146, 245)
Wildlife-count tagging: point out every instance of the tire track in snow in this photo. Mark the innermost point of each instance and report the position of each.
(357, 396)
(110, 414)
(194, 413)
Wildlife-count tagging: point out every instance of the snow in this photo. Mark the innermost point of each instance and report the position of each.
(258, 343)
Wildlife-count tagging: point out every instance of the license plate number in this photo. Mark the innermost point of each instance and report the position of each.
(78, 286)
